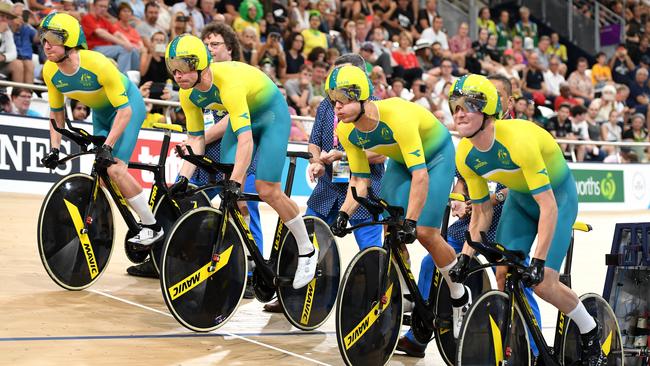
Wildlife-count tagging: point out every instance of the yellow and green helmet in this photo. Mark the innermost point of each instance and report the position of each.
(475, 93)
(62, 29)
(187, 53)
(348, 83)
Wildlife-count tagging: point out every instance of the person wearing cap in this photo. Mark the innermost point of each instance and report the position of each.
(259, 122)
(419, 173)
(104, 38)
(542, 199)
(8, 52)
(422, 49)
(22, 68)
(117, 107)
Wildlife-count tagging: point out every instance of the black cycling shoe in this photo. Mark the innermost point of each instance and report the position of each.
(144, 269)
(592, 353)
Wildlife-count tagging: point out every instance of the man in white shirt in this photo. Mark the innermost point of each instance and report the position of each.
(188, 7)
(553, 78)
(436, 33)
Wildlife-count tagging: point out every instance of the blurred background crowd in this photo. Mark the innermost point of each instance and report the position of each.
(408, 52)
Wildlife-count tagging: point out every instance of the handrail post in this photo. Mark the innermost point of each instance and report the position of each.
(597, 27)
(570, 21)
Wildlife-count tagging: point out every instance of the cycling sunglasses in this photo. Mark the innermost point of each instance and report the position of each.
(53, 37)
(471, 103)
(343, 95)
(182, 64)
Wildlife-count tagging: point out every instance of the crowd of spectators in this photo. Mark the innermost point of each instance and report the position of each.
(408, 54)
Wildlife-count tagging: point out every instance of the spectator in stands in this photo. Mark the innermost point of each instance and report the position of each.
(208, 11)
(180, 24)
(504, 31)
(25, 36)
(70, 7)
(152, 63)
(103, 37)
(566, 97)
(423, 53)
(397, 89)
(249, 43)
(426, 16)
(634, 28)
(318, 76)
(271, 53)
(402, 18)
(622, 93)
(556, 48)
(8, 52)
(607, 103)
(422, 95)
(189, 9)
(510, 68)
(639, 91)
(460, 44)
(352, 9)
(515, 83)
(313, 36)
(5, 104)
(560, 125)
(621, 66)
(164, 16)
(642, 50)
(148, 26)
(317, 54)
(521, 108)
(542, 51)
(124, 15)
(553, 78)
(301, 15)
(637, 132)
(250, 13)
(21, 98)
(300, 91)
(526, 27)
(346, 41)
(293, 55)
(612, 132)
(435, 33)
(504, 88)
(601, 74)
(446, 76)
(590, 131)
(381, 54)
(407, 63)
(80, 111)
(379, 83)
(516, 51)
(533, 80)
(580, 82)
(485, 20)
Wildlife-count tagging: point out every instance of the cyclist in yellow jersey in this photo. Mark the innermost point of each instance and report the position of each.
(259, 119)
(118, 109)
(420, 170)
(542, 199)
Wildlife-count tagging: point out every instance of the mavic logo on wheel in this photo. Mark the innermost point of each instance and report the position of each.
(199, 276)
(607, 345)
(78, 223)
(309, 301)
(367, 322)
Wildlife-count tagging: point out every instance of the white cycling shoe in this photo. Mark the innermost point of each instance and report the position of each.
(459, 311)
(306, 269)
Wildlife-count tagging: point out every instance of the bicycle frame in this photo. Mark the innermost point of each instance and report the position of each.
(83, 139)
(267, 268)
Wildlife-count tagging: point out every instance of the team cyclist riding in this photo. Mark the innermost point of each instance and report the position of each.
(418, 177)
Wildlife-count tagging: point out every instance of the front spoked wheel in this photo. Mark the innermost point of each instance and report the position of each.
(309, 307)
(166, 213)
(367, 330)
(200, 299)
(482, 337)
(73, 258)
(478, 282)
(610, 338)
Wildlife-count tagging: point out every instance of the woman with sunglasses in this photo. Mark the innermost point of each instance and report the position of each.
(419, 173)
(73, 71)
(259, 118)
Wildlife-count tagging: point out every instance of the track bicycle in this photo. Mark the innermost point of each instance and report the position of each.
(76, 231)
(204, 262)
(369, 312)
(494, 328)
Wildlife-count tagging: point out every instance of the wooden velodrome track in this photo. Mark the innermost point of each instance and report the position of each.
(123, 320)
